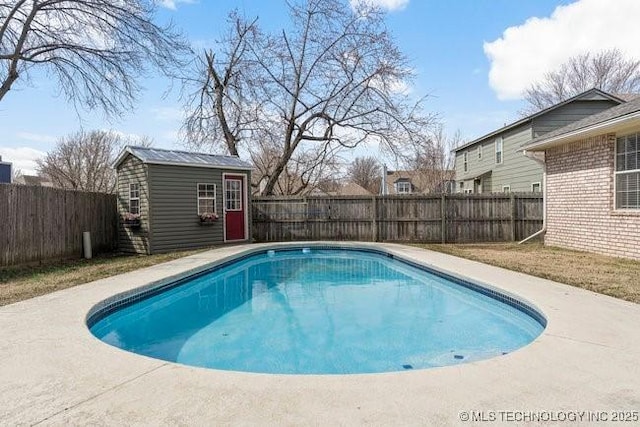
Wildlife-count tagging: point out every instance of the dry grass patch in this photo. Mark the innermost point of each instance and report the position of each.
(612, 276)
(20, 283)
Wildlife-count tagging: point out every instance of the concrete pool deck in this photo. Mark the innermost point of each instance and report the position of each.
(585, 364)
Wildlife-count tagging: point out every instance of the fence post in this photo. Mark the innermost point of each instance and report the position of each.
(305, 203)
(443, 217)
(374, 219)
(512, 202)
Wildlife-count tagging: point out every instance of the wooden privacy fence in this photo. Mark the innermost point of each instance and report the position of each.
(446, 218)
(39, 223)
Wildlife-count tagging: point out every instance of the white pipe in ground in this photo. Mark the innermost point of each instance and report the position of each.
(86, 244)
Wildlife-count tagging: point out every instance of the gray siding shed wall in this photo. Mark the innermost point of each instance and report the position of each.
(132, 170)
(569, 113)
(174, 214)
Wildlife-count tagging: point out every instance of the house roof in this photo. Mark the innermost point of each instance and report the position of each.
(34, 180)
(587, 95)
(423, 181)
(159, 156)
(352, 189)
(613, 119)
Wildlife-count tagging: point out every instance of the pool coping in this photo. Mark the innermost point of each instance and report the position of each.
(54, 371)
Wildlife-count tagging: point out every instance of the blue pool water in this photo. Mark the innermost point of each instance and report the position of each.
(318, 312)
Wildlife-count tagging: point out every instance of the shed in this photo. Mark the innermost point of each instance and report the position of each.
(171, 200)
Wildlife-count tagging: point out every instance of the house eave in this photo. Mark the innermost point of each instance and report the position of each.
(199, 165)
(617, 125)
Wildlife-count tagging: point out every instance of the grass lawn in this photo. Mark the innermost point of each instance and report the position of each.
(20, 283)
(616, 277)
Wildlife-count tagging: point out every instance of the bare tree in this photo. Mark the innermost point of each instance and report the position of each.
(332, 81)
(82, 161)
(607, 70)
(16, 175)
(434, 163)
(366, 172)
(95, 49)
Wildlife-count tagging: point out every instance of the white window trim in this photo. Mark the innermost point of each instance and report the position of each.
(214, 198)
(465, 161)
(536, 183)
(506, 188)
(479, 152)
(241, 207)
(616, 172)
(407, 183)
(131, 184)
(501, 140)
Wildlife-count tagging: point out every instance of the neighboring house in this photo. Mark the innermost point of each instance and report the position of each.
(167, 198)
(493, 163)
(5, 172)
(418, 182)
(593, 182)
(34, 180)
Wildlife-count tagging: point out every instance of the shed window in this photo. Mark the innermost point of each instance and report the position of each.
(465, 161)
(499, 150)
(403, 187)
(134, 198)
(627, 174)
(206, 198)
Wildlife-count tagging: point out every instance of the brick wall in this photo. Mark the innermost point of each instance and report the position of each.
(580, 201)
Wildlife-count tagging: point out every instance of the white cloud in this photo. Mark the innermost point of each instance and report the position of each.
(173, 4)
(526, 52)
(23, 158)
(36, 137)
(382, 4)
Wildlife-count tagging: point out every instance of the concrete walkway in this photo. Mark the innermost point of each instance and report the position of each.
(584, 366)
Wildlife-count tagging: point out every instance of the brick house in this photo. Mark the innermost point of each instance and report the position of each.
(592, 173)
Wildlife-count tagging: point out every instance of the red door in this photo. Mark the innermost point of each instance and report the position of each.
(234, 209)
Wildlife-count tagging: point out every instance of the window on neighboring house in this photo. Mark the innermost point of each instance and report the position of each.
(134, 199)
(536, 187)
(465, 161)
(206, 198)
(403, 187)
(627, 174)
(468, 191)
(479, 152)
(499, 150)
(461, 186)
(506, 189)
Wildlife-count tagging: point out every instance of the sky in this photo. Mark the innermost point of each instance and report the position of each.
(473, 58)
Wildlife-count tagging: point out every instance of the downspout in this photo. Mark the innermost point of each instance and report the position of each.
(543, 162)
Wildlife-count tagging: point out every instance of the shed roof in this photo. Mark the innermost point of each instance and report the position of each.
(608, 120)
(591, 94)
(161, 156)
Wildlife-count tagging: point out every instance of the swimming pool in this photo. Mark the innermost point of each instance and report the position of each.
(318, 311)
